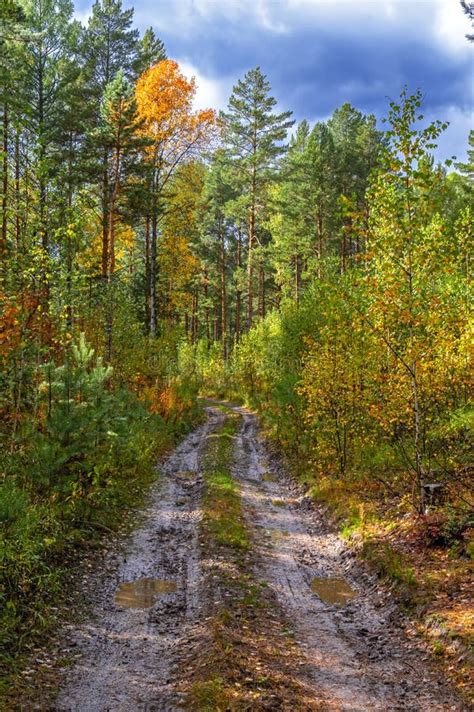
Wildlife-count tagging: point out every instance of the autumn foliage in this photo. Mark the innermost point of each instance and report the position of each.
(164, 99)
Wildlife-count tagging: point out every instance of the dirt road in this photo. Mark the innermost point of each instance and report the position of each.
(151, 607)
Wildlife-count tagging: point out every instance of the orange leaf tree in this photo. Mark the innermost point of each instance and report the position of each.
(176, 134)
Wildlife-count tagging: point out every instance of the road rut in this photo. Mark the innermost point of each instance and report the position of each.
(357, 659)
(129, 655)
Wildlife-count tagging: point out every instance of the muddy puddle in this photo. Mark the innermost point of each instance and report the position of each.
(185, 474)
(269, 477)
(278, 533)
(143, 592)
(332, 590)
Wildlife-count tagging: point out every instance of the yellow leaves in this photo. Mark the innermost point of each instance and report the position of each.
(164, 99)
(124, 242)
(91, 256)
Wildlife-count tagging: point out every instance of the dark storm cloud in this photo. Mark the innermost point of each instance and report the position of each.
(318, 54)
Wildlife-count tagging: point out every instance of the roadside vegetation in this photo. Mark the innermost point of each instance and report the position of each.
(75, 466)
(364, 381)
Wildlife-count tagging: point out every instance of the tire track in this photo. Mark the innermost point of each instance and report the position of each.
(357, 659)
(129, 656)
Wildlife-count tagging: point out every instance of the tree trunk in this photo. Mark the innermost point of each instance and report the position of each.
(195, 322)
(297, 278)
(206, 309)
(320, 242)
(223, 295)
(105, 217)
(238, 296)
(261, 291)
(216, 330)
(252, 227)
(3, 234)
(250, 271)
(17, 191)
(147, 269)
(152, 287)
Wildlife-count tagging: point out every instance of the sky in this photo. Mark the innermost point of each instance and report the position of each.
(318, 54)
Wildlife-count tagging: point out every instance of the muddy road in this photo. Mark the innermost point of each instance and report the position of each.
(152, 603)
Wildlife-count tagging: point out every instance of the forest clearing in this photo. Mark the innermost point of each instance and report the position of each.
(235, 363)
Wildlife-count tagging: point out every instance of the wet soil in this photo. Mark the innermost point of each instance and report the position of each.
(358, 658)
(129, 653)
(153, 603)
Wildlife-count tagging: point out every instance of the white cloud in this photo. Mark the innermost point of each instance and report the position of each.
(453, 141)
(441, 19)
(211, 93)
(451, 26)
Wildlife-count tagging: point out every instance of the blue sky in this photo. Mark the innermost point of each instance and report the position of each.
(318, 54)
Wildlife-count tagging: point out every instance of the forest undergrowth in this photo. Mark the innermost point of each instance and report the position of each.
(76, 469)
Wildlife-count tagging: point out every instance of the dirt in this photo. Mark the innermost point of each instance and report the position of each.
(357, 655)
(152, 606)
(128, 654)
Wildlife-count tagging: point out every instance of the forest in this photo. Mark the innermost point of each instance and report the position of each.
(152, 254)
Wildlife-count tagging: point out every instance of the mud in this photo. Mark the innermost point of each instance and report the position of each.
(135, 658)
(358, 658)
(332, 590)
(129, 655)
(142, 593)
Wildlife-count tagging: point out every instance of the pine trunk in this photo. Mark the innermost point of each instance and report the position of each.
(3, 235)
(223, 294)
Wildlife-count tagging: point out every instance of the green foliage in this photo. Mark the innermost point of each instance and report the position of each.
(76, 466)
(391, 565)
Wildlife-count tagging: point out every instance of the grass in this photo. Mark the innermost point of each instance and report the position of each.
(37, 561)
(251, 657)
(222, 508)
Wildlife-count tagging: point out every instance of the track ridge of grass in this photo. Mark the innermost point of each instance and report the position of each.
(251, 656)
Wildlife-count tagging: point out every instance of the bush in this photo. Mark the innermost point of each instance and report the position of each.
(72, 470)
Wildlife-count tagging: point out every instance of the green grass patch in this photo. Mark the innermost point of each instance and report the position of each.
(210, 695)
(390, 564)
(223, 516)
(243, 668)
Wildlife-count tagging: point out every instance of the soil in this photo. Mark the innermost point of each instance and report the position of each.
(348, 632)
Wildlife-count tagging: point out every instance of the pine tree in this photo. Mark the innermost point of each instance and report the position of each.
(358, 145)
(109, 46)
(150, 51)
(219, 236)
(254, 139)
(13, 34)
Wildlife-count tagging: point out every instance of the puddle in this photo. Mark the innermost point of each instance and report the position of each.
(269, 477)
(335, 591)
(278, 534)
(143, 592)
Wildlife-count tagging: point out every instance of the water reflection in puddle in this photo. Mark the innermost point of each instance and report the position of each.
(269, 477)
(335, 591)
(143, 592)
(278, 533)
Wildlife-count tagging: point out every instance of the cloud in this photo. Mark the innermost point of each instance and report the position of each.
(454, 141)
(210, 92)
(451, 26)
(318, 54)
